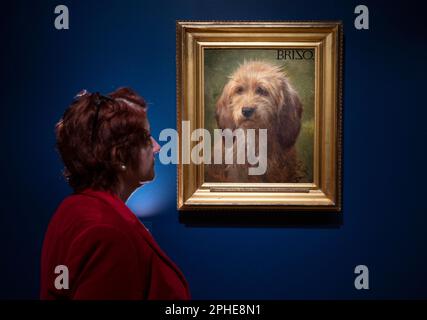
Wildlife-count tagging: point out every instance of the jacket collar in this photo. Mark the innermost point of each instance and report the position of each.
(113, 201)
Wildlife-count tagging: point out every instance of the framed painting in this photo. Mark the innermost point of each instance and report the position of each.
(259, 115)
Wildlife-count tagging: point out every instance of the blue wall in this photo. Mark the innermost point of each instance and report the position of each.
(132, 43)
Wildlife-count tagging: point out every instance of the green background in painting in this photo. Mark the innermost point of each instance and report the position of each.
(220, 64)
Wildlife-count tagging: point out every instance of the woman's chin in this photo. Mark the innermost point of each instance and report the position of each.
(146, 180)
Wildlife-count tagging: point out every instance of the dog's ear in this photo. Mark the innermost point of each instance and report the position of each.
(223, 114)
(289, 117)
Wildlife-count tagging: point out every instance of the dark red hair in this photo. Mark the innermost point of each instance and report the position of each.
(97, 134)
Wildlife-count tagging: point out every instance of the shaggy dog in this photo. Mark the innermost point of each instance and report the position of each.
(260, 96)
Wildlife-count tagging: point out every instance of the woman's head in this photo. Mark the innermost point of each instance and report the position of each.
(105, 141)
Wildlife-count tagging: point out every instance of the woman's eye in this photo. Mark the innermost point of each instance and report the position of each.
(261, 91)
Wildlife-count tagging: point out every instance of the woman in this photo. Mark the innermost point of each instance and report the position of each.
(102, 249)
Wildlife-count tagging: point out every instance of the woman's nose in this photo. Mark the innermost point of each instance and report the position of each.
(156, 146)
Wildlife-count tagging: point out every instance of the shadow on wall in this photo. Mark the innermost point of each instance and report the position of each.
(261, 219)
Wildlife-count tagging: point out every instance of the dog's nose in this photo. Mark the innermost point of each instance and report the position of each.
(248, 111)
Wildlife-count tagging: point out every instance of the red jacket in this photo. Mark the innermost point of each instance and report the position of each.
(108, 252)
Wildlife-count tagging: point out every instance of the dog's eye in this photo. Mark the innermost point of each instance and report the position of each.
(239, 90)
(261, 91)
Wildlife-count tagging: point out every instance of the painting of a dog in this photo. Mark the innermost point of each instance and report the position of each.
(259, 95)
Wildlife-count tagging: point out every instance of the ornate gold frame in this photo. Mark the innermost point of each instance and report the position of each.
(324, 194)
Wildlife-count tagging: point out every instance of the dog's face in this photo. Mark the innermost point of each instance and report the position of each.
(258, 95)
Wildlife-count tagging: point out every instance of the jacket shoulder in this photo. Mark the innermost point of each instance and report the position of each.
(77, 212)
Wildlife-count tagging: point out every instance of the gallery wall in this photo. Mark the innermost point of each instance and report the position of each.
(132, 43)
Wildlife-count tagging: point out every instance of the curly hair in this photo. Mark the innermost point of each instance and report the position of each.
(99, 133)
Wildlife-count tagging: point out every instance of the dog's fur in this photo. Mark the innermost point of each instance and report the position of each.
(266, 89)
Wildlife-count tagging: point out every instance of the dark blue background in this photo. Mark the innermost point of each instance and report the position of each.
(132, 43)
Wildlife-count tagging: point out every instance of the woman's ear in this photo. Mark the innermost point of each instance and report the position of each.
(223, 114)
(289, 115)
(117, 158)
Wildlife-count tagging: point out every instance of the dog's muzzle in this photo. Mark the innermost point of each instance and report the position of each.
(248, 111)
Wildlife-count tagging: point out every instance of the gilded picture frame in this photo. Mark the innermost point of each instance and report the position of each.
(206, 52)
